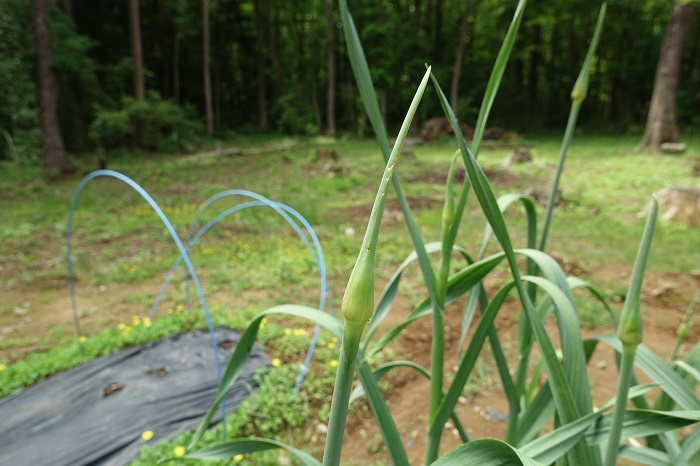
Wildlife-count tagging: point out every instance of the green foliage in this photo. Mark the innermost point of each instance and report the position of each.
(154, 124)
(293, 118)
(565, 397)
(274, 407)
(19, 115)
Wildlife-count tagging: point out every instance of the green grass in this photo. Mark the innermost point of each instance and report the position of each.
(118, 240)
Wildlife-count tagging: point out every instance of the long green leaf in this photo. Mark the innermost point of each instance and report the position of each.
(387, 426)
(496, 76)
(486, 452)
(688, 369)
(569, 408)
(648, 456)
(576, 282)
(690, 448)
(658, 371)
(643, 423)
(382, 370)
(504, 202)
(228, 450)
(552, 446)
(467, 362)
(457, 286)
(245, 346)
(358, 62)
(391, 288)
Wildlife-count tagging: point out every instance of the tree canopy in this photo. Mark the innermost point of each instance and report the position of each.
(278, 50)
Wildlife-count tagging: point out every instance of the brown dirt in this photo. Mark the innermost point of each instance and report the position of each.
(503, 177)
(392, 210)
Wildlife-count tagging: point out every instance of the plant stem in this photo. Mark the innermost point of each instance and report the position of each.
(436, 370)
(341, 393)
(626, 366)
(568, 136)
(682, 332)
(437, 359)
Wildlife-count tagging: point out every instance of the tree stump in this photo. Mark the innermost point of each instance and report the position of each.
(518, 156)
(675, 148)
(680, 204)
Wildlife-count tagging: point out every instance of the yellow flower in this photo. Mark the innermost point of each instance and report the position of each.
(334, 340)
(179, 450)
(2, 367)
(333, 363)
(287, 331)
(147, 435)
(276, 362)
(121, 326)
(238, 457)
(179, 308)
(82, 339)
(331, 345)
(135, 321)
(146, 322)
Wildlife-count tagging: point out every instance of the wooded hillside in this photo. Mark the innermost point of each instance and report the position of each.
(281, 66)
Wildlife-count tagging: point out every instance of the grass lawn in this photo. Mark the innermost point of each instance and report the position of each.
(253, 259)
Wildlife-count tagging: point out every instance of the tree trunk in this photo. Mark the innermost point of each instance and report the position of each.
(534, 66)
(66, 6)
(272, 45)
(207, 67)
(383, 106)
(661, 121)
(176, 67)
(263, 122)
(136, 55)
(437, 33)
(330, 63)
(459, 56)
(417, 15)
(55, 159)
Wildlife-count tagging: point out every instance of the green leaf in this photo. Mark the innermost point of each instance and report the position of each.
(382, 370)
(486, 452)
(658, 371)
(466, 364)
(688, 369)
(506, 201)
(648, 456)
(690, 448)
(496, 76)
(229, 449)
(575, 282)
(391, 288)
(643, 423)
(552, 446)
(387, 426)
(245, 346)
(457, 286)
(365, 86)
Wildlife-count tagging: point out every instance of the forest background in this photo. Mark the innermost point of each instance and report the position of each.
(161, 75)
